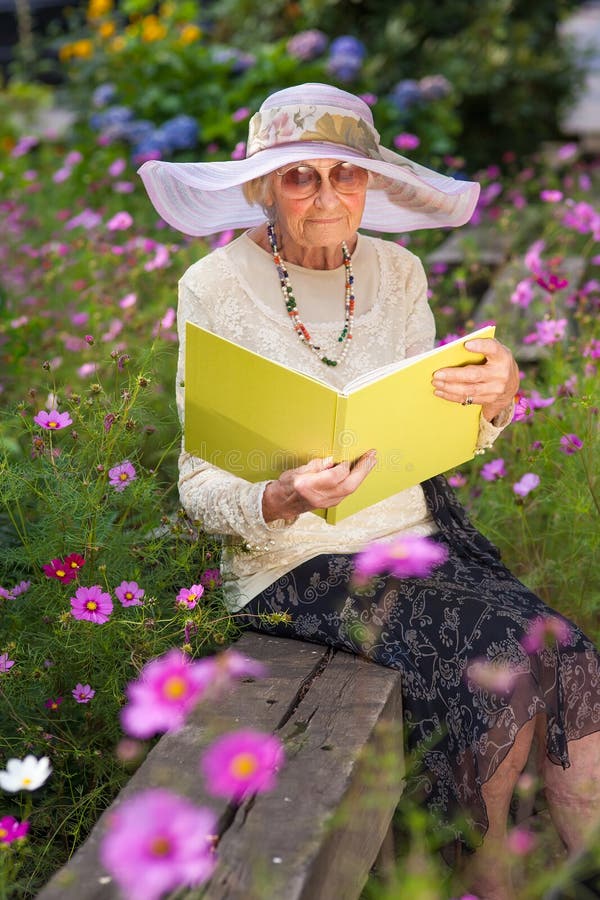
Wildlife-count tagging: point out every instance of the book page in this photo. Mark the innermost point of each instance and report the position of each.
(369, 377)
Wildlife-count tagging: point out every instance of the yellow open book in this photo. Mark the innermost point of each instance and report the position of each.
(256, 418)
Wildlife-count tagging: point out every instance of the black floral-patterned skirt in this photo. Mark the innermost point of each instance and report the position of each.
(470, 615)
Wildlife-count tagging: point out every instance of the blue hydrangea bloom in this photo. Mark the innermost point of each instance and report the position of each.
(104, 94)
(181, 132)
(346, 45)
(114, 115)
(406, 94)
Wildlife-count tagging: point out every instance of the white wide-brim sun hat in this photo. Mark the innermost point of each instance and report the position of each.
(309, 121)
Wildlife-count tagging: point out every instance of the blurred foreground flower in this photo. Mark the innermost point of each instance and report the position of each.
(546, 631)
(492, 675)
(167, 690)
(241, 763)
(25, 774)
(158, 842)
(11, 830)
(405, 557)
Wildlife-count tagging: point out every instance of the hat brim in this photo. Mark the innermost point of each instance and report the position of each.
(204, 198)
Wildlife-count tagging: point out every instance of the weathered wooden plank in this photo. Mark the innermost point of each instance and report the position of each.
(173, 762)
(512, 321)
(317, 834)
(484, 244)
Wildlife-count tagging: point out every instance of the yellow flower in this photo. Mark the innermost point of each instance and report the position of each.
(167, 10)
(98, 8)
(66, 52)
(106, 30)
(83, 49)
(152, 29)
(189, 34)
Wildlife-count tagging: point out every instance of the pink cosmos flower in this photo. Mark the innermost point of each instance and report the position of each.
(567, 151)
(211, 578)
(120, 476)
(493, 470)
(129, 593)
(59, 569)
(570, 444)
(53, 703)
(550, 196)
(520, 841)
(120, 222)
(526, 484)
(157, 842)
(188, 597)
(12, 830)
(457, 480)
(230, 665)
(167, 690)
(523, 293)
(21, 588)
(240, 114)
(239, 151)
(123, 187)
(405, 557)
(128, 301)
(547, 332)
(241, 763)
(533, 259)
(5, 663)
(73, 562)
(92, 605)
(117, 167)
(83, 693)
(552, 283)
(52, 420)
(546, 631)
(406, 141)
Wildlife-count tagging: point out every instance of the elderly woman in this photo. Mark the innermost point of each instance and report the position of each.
(303, 287)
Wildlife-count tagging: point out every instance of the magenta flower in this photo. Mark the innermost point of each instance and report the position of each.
(166, 692)
(12, 830)
(520, 841)
(231, 664)
(570, 444)
(120, 476)
(83, 693)
(405, 557)
(526, 484)
(210, 579)
(493, 470)
(457, 480)
(533, 259)
(58, 569)
(92, 605)
(5, 663)
(120, 222)
(188, 597)
(239, 151)
(129, 593)
(550, 196)
(406, 141)
(53, 703)
(552, 283)
(52, 420)
(157, 842)
(546, 631)
(241, 763)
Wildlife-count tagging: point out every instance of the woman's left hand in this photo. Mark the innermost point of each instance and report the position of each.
(493, 384)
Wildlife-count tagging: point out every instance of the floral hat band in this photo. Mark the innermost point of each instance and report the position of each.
(308, 121)
(289, 124)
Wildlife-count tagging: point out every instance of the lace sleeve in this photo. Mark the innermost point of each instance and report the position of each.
(224, 503)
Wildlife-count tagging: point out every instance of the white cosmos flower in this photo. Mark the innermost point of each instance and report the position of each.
(25, 774)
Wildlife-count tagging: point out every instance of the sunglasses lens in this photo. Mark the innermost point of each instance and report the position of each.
(347, 178)
(304, 181)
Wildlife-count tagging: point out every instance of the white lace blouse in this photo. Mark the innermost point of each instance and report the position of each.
(235, 292)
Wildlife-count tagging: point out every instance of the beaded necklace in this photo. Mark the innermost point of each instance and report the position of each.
(300, 328)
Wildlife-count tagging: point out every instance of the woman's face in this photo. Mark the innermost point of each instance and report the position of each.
(324, 219)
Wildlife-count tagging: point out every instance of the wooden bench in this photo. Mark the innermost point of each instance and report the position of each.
(318, 833)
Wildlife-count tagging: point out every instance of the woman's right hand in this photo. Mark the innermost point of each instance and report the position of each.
(318, 485)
